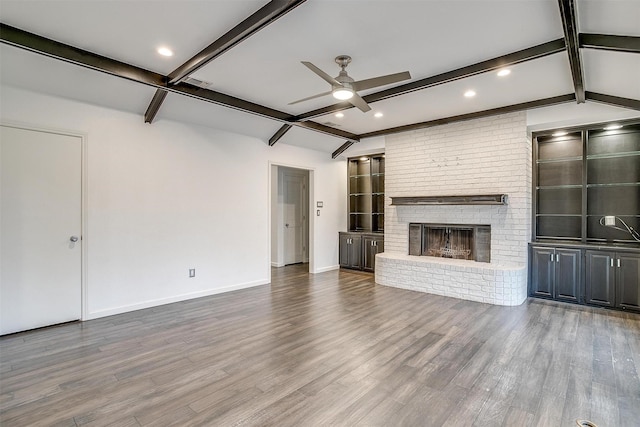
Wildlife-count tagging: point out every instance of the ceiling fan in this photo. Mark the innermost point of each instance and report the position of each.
(345, 88)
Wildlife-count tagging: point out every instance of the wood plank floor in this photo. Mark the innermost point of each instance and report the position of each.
(328, 349)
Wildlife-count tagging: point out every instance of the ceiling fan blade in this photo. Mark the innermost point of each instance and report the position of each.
(381, 81)
(310, 97)
(321, 73)
(357, 101)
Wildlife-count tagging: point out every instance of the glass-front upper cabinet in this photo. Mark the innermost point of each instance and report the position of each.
(559, 186)
(613, 182)
(587, 184)
(366, 193)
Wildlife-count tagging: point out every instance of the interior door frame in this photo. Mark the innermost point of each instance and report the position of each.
(83, 201)
(273, 192)
(303, 177)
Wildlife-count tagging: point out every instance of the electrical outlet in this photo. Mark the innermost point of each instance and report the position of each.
(192, 272)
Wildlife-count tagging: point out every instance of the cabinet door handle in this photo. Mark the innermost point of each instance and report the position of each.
(551, 257)
(618, 262)
(611, 262)
(557, 258)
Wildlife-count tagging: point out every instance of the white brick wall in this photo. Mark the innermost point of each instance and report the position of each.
(484, 156)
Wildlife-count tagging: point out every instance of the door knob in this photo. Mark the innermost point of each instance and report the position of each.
(286, 225)
(74, 239)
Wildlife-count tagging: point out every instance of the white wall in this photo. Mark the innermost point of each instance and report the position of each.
(167, 197)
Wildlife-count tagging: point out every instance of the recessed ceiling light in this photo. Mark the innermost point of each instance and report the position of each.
(165, 51)
(470, 94)
(504, 72)
(613, 127)
(339, 115)
(560, 133)
(378, 114)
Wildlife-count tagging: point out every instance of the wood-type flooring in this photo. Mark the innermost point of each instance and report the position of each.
(332, 349)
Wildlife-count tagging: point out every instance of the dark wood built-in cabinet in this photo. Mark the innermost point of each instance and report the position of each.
(580, 178)
(612, 279)
(556, 273)
(372, 244)
(359, 246)
(350, 250)
(358, 250)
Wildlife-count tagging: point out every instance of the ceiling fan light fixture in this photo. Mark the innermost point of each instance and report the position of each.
(342, 93)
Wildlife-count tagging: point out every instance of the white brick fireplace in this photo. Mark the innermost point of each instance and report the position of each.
(483, 156)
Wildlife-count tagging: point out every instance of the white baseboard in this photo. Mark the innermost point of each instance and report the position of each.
(162, 301)
(277, 264)
(325, 269)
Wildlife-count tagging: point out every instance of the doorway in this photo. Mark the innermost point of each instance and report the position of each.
(290, 216)
(40, 228)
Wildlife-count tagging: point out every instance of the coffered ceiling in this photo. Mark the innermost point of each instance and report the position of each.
(254, 70)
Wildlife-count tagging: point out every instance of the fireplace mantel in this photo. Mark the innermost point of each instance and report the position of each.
(482, 199)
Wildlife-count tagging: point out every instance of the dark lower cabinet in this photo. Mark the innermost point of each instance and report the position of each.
(358, 250)
(371, 245)
(542, 272)
(350, 250)
(628, 281)
(613, 279)
(555, 273)
(599, 274)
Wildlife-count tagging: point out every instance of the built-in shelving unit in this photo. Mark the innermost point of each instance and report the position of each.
(365, 238)
(366, 193)
(583, 176)
(586, 186)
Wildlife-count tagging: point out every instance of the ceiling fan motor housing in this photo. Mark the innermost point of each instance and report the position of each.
(343, 61)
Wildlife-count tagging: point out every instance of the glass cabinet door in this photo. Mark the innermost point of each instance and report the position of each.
(613, 182)
(559, 186)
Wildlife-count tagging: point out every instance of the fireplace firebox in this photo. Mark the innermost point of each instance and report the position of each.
(457, 241)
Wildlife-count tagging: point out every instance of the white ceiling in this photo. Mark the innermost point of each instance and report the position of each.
(425, 37)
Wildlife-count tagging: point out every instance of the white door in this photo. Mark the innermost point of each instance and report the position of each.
(294, 188)
(40, 217)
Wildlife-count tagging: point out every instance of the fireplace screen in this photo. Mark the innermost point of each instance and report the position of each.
(448, 242)
(472, 242)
